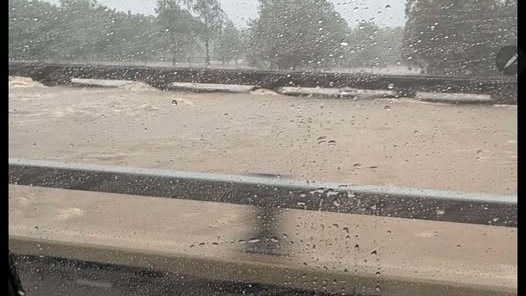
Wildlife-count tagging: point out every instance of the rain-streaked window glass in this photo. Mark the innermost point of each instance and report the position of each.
(263, 147)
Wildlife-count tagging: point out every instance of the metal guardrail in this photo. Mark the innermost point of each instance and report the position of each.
(271, 193)
(503, 90)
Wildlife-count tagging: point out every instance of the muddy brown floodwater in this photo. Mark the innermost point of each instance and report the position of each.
(374, 142)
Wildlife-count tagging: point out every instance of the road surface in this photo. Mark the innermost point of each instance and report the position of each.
(315, 250)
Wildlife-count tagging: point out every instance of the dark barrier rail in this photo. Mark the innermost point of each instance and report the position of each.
(271, 193)
(503, 90)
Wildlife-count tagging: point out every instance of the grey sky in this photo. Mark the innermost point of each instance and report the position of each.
(242, 10)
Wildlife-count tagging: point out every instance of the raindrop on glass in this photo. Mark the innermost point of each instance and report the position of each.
(254, 240)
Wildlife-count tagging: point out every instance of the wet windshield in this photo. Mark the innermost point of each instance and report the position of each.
(299, 144)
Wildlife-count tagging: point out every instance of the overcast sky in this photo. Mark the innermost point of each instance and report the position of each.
(383, 12)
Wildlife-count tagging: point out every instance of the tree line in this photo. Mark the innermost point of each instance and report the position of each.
(458, 37)
(439, 35)
(287, 34)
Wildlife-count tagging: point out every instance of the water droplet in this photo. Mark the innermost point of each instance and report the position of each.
(344, 43)
(253, 240)
(34, 145)
(387, 107)
(440, 212)
(346, 229)
(145, 129)
(174, 102)
(71, 145)
(332, 143)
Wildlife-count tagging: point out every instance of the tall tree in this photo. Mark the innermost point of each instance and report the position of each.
(373, 46)
(211, 17)
(228, 46)
(85, 29)
(457, 37)
(134, 37)
(293, 34)
(178, 27)
(33, 30)
(81, 29)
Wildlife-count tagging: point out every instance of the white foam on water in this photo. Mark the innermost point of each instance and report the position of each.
(263, 91)
(137, 86)
(19, 81)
